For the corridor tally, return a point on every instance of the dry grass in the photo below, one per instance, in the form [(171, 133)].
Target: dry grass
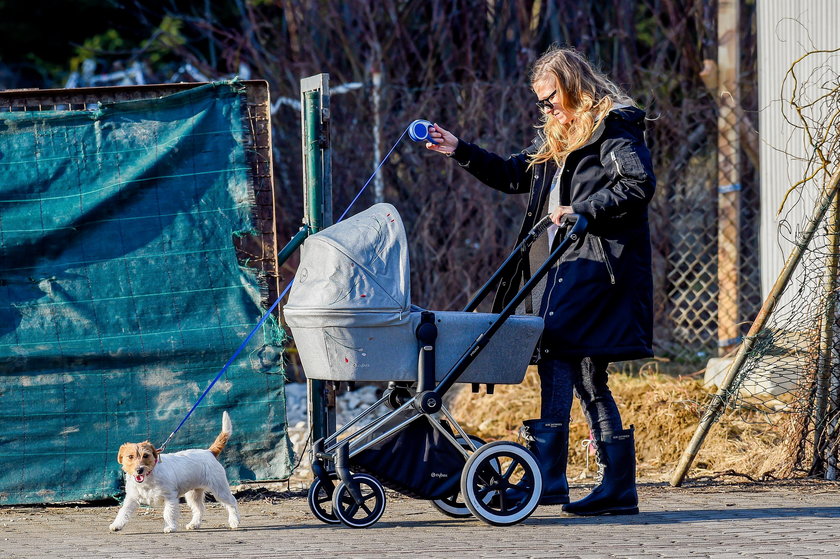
[(665, 410)]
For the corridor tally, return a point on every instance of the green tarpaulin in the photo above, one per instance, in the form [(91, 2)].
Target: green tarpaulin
[(121, 296)]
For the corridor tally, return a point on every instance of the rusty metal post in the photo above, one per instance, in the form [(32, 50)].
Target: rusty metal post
[(729, 177)]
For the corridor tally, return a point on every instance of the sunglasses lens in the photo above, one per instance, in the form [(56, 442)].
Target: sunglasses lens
[(546, 103)]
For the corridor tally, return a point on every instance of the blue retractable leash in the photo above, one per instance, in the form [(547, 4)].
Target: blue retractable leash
[(417, 131)]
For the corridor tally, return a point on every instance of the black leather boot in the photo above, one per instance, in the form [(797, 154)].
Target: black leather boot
[(616, 494), (549, 441)]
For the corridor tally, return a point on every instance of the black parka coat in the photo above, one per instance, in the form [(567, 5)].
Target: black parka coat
[(598, 300)]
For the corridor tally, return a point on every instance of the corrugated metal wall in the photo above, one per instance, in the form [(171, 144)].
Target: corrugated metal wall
[(787, 31)]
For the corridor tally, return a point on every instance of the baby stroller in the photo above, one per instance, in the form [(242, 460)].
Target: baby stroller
[(350, 313)]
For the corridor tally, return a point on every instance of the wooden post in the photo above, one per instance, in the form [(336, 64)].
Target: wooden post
[(827, 331), (729, 179), (722, 395)]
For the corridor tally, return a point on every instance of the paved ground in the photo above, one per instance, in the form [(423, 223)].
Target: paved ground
[(778, 519)]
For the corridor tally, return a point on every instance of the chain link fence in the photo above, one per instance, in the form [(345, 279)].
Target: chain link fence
[(785, 377), (710, 195)]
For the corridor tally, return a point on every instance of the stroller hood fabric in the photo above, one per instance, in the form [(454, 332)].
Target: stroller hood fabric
[(354, 273)]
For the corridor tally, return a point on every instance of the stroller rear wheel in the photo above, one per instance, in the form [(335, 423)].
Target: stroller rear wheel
[(359, 515), (452, 505), (501, 483), (320, 499)]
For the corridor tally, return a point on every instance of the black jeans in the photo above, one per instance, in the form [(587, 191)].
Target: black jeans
[(587, 378)]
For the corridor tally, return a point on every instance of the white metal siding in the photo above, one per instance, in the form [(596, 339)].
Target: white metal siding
[(787, 29)]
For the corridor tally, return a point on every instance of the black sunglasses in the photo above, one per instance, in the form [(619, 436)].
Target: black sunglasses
[(546, 103)]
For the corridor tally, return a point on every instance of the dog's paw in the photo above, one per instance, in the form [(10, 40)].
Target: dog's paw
[(234, 525), (115, 527), (170, 529), (193, 526)]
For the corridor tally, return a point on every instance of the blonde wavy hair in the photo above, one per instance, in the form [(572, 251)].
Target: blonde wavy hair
[(586, 93)]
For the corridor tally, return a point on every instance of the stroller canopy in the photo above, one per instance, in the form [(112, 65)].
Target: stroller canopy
[(354, 273)]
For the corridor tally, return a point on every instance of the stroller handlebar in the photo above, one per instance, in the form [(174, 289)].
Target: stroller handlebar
[(578, 223), (574, 224)]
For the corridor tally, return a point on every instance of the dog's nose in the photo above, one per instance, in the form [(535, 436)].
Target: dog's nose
[(141, 470)]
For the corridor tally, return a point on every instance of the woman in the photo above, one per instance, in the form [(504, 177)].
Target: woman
[(589, 158)]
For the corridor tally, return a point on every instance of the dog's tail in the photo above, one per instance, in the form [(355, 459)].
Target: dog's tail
[(220, 442)]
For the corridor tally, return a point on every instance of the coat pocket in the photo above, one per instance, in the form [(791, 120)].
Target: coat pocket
[(627, 163), (599, 244)]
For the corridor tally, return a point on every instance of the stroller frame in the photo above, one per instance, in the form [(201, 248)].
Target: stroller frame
[(484, 486)]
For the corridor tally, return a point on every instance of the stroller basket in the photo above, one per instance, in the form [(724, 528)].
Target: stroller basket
[(417, 461), (350, 312)]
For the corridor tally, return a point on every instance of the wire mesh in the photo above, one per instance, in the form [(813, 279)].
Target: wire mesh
[(790, 377)]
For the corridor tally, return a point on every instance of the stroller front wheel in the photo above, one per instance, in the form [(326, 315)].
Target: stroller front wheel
[(501, 483), (364, 513), (320, 499)]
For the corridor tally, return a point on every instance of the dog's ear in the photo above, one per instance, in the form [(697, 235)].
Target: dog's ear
[(120, 453), (147, 446)]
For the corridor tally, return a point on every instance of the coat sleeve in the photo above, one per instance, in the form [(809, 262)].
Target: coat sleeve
[(510, 175), (627, 163)]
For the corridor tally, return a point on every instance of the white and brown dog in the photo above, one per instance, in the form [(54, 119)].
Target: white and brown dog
[(152, 477)]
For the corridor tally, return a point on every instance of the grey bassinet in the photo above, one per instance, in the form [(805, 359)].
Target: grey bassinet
[(352, 320)]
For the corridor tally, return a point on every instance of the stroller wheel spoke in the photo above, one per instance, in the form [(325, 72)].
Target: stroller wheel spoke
[(523, 485), (510, 469), (323, 498), (502, 500), (351, 508), (481, 493)]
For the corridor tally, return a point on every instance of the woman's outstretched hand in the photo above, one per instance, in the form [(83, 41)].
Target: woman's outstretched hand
[(446, 141)]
